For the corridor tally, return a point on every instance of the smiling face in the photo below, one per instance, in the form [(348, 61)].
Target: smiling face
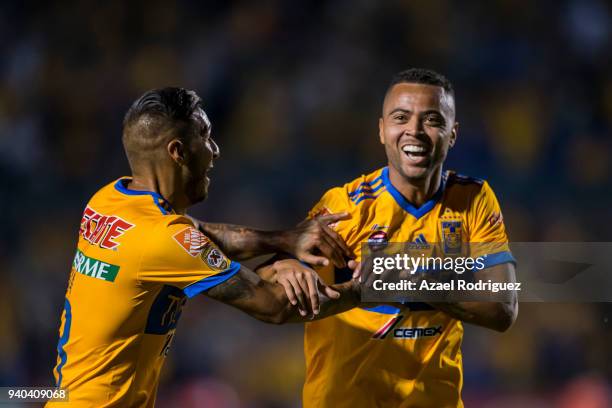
[(417, 128), (200, 153)]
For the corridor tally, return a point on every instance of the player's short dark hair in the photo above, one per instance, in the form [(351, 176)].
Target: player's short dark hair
[(422, 76), (170, 104)]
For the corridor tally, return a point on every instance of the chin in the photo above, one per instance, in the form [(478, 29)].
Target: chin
[(415, 173), (203, 196), (197, 196)]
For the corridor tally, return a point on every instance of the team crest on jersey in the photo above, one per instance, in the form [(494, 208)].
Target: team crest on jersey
[(451, 237), (214, 258), (192, 241)]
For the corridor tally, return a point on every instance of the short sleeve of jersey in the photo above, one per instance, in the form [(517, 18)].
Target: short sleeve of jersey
[(487, 230), (180, 255), (333, 201)]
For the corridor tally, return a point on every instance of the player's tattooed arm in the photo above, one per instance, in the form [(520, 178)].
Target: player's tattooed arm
[(238, 242), (268, 301), (239, 286), (496, 315), (310, 241)]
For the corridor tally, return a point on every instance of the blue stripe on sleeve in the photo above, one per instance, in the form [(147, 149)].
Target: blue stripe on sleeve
[(62, 342), (384, 309), (365, 197), (498, 258), (366, 185), (211, 281), (365, 190)]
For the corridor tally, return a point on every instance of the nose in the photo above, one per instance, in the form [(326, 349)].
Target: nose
[(414, 126), (215, 149)]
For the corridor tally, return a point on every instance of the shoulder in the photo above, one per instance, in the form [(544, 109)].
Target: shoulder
[(175, 236), (347, 197), (366, 187), (171, 225), (471, 193), (458, 178), (106, 192), (110, 206), (461, 184)]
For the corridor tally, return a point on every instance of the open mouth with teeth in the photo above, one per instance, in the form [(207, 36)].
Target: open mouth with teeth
[(416, 153)]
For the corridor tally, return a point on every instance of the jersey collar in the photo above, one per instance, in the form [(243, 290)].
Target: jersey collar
[(405, 204), (158, 200)]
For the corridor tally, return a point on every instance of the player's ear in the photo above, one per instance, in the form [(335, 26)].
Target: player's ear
[(381, 133), (176, 150), (453, 134)]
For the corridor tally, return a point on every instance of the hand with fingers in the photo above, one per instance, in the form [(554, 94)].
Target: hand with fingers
[(303, 286), (313, 241)]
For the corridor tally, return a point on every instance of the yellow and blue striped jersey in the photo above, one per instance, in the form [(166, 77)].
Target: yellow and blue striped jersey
[(136, 264), (406, 356)]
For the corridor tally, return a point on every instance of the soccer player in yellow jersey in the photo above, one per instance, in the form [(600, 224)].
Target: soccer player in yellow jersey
[(139, 258), (409, 355)]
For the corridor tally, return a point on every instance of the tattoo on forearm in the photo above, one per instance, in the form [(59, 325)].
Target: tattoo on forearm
[(236, 287), (231, 238), (459, 312), (218, 232)]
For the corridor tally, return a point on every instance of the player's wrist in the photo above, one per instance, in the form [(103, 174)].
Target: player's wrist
[(350, 290), (356, 291), (280, 242), (264, 242)]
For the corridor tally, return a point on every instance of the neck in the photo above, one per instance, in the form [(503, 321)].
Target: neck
[(418, 191), (148, 181)]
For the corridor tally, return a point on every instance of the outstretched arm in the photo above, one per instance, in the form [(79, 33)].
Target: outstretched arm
[(493, 315), (311, 241), (268, 301)]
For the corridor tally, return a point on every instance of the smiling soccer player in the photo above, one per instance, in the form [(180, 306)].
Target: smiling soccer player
[(407, 356), (139, 258)]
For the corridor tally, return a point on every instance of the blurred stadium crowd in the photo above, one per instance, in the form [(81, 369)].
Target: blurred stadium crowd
[(294, 91)]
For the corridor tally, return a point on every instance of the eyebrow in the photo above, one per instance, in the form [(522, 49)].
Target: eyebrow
[(427, 112), (399, 110)]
